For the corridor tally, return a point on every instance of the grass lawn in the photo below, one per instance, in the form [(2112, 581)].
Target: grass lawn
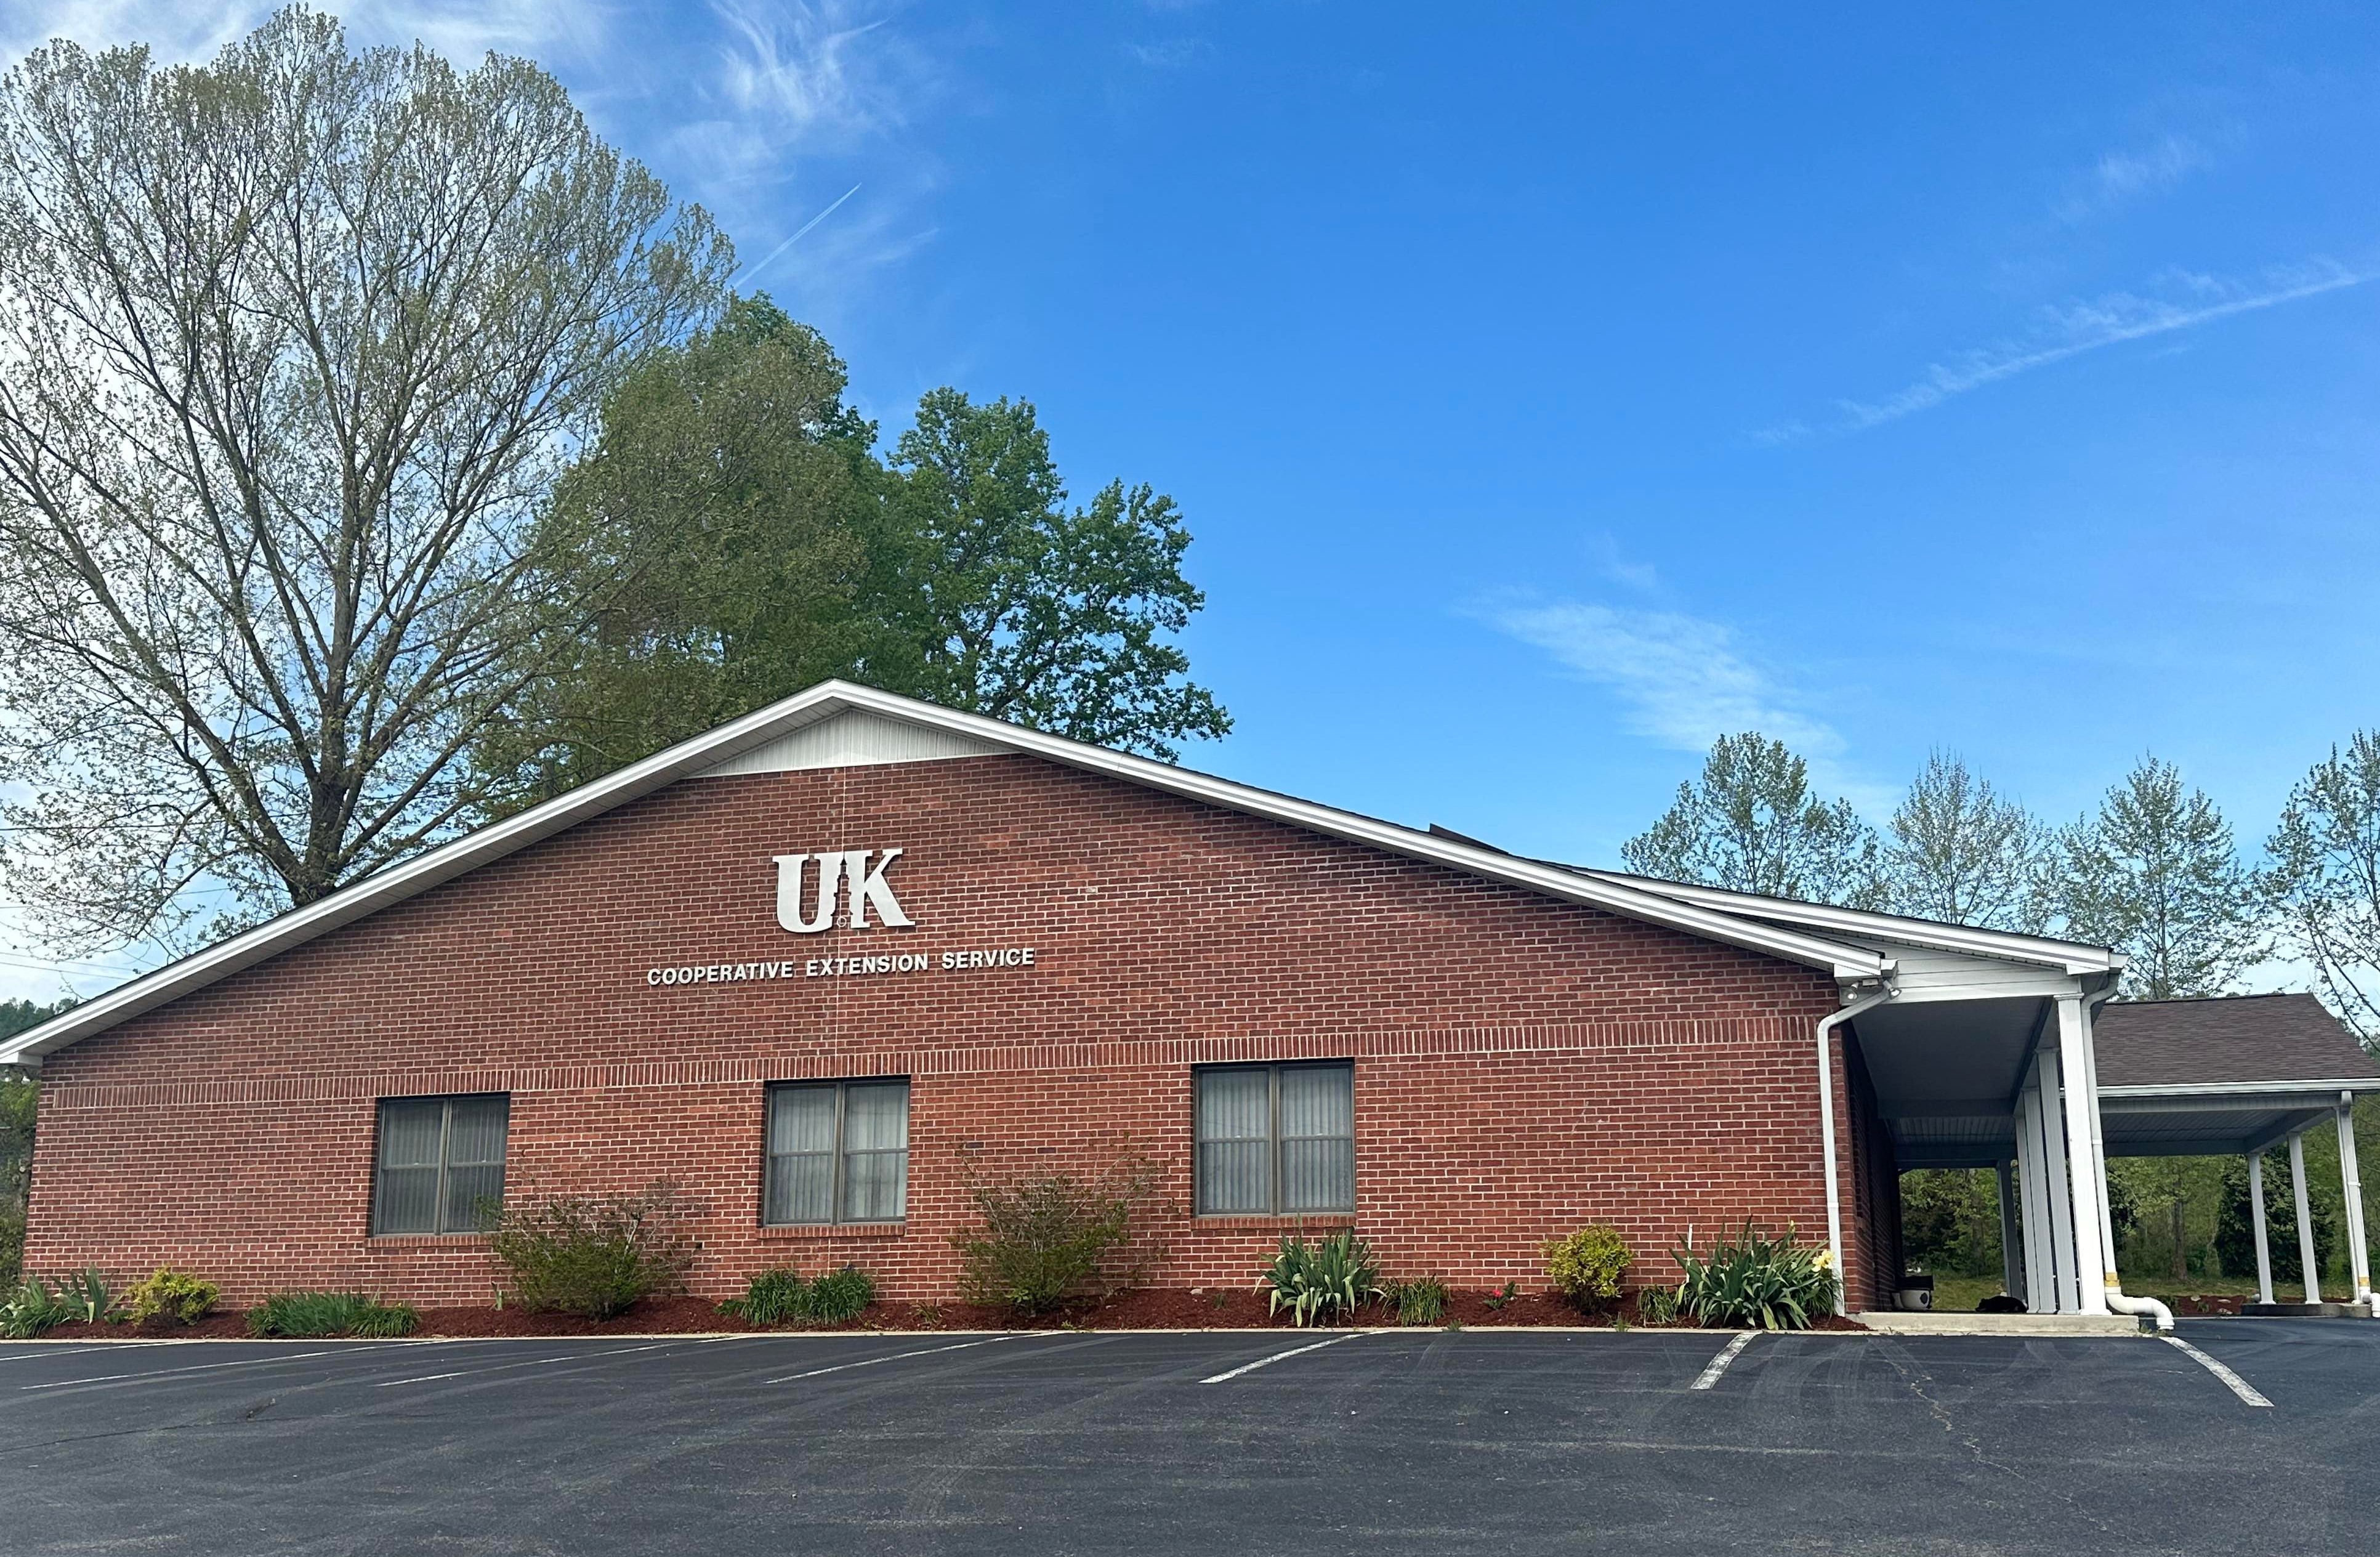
[(1959, 1294)]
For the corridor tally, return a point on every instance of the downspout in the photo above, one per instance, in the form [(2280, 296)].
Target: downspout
[(2117, 1300), (1826, 1026)]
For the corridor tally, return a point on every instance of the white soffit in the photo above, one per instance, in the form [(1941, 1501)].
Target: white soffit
[(854, 739)]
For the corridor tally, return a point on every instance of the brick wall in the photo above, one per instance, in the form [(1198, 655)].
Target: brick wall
[(1522, 1066)]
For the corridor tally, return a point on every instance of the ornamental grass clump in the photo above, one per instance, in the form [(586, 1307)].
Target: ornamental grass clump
[(1586, 1266), (167, 1297), (782, 1296), (311, 1314), (1750, 1281), (1046, 1242), (593, 1256), (31, 1308), (1320, 1281), (1419, 1301)]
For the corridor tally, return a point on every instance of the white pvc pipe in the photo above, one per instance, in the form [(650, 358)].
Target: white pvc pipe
[(2351, 1181), (2256, 1220), (1826, 1026), (2305, 1219)]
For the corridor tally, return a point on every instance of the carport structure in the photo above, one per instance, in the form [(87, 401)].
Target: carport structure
[(2240, 1074)]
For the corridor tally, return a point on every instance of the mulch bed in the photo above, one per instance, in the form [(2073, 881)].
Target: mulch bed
[(2191, 1303), (1142, 1308)]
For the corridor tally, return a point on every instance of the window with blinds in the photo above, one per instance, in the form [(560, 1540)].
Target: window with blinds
[(838, 1152), (1275, 1140), (440, 1157)]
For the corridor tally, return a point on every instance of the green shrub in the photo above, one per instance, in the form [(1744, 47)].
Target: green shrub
[(330, 1313), (1750, 1281), (781, 1296), (32, 1307), (597, 1256), (168, 1296), (1586, 1266), (1333, 1278), (1657, 1304), (841, 1295), (1421, 1301), (1048, 1241)]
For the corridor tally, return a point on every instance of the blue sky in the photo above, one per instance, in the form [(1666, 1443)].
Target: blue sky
[(1552, 392)]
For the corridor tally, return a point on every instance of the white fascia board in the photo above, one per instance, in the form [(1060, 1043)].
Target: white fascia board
[(2245, 1088), (1846, 963), (2068, 956)]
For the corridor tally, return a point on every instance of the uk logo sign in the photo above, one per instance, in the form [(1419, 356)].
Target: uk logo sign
[(847, 888)]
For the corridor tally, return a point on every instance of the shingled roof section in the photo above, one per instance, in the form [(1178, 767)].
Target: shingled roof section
[(2227, 1039)]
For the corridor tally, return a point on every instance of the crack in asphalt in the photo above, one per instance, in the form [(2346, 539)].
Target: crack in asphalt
[(1917, 1378)]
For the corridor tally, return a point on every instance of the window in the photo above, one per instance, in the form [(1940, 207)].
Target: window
[(439, 1158), (838, 1152), (1276, 1139)]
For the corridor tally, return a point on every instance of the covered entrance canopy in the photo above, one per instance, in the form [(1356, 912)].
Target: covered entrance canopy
[(2239, 1074)]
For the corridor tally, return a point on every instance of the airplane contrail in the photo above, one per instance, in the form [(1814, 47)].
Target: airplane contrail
[(806, 226)]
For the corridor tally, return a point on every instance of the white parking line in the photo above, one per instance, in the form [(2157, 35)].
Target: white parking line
[(896, 1356), (2238, 1385), (1279, 1357), (507, 1367), (77, 1351), (168, 1372), (1718, 1365)]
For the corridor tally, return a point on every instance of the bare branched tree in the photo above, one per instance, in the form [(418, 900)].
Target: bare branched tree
[(291, 344)]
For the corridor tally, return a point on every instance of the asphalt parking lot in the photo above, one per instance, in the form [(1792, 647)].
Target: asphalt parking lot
[(1511, 1441)]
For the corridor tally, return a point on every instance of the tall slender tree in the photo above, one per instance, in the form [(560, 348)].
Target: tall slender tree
[(2324, 880), (2155, 875), (1752, 823), (1957, 852), (291, 344)]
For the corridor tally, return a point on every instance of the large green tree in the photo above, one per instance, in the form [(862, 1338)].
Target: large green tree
[(1752, 823), (1959, 853), (292, 343), (2324, 880), (2155, 875), (748, 539)]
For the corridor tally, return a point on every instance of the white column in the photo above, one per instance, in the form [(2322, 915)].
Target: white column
[(2011, 1259), (2350, 1176), (2055, 1186), (2256, 1218), (2305, 1219), (2082, 1163), (2033, 1190)]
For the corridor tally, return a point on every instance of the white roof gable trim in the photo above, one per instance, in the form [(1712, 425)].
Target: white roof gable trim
[(768, 740), (2067, 957)]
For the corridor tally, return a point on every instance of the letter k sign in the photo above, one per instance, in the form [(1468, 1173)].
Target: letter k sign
[(835, 867)]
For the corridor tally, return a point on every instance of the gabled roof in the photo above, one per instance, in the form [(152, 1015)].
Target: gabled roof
[(720, 748), (2280, 1041)]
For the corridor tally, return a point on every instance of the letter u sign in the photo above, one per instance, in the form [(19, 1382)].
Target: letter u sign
[(836, 869)]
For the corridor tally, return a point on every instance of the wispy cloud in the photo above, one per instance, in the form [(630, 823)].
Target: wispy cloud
[(2121, 177), (2182, 301), (1171, 53), (1686, 681), (462, 30)]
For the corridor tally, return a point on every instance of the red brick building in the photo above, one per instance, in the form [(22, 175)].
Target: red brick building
[(821, 965)]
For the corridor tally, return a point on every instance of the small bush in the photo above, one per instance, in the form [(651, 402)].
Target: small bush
[(782, 1296), (1331, 1279), (168, 1296), (1753, 1281), (1586, 1267), (1657, 1304), (593, 1256), (330, 1313), (841, 1295), (1049, 1241), (31, 1308), (1422, 1301)]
